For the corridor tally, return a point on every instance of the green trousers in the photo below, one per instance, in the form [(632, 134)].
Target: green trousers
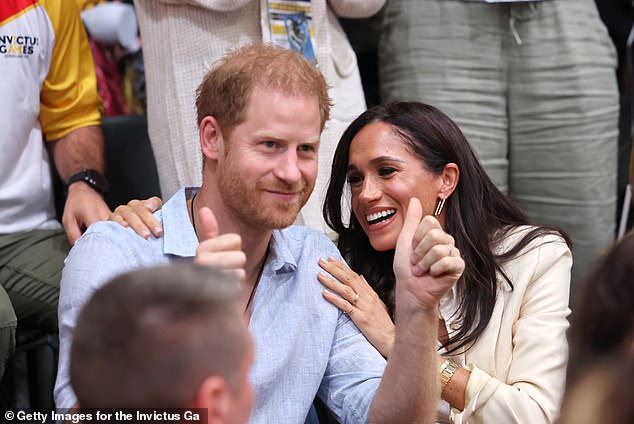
[(8, 323), (30, 272)]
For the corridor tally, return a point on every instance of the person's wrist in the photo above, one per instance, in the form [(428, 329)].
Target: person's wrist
[(93, 179), (387, 344), (446, 372), (80, 187)]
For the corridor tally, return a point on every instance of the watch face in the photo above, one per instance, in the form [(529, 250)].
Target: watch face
[(96, 180)]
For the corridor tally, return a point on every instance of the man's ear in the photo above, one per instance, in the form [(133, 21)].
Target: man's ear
[(211, 141), (214, 395), (450, 176)]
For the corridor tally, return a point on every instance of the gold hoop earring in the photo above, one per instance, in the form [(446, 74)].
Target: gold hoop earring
[(439, 206)]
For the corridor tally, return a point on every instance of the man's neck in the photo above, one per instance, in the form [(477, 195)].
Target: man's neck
[(255, 241), (256, 252)]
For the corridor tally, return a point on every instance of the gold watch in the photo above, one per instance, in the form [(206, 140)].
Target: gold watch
[(447, 370)]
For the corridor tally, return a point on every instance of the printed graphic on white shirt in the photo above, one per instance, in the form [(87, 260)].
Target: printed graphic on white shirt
[(290, 26)]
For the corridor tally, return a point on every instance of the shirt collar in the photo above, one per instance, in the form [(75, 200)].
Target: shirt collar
[(179, 237), (282, 259)]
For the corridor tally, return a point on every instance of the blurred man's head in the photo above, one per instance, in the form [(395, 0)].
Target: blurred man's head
[(261, 111), (166, 337)]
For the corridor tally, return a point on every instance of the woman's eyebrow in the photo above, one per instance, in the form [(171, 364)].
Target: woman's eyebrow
[(381, 159), (378, 160)]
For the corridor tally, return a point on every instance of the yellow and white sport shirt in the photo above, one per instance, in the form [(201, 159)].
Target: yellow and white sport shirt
[(47, 89)]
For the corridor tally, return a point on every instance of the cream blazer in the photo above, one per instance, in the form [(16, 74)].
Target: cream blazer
[(181, 41), (518, 364)]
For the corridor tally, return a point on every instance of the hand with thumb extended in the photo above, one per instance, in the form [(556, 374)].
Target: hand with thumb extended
[(404, 250), (218, 251), (423, 245), (208, 223)]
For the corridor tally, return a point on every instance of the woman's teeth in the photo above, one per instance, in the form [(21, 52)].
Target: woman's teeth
[(377, 217)]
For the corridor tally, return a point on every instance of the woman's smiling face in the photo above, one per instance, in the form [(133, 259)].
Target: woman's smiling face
[(384, 174)]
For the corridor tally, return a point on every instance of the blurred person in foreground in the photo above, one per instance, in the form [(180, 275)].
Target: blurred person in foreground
[(602, 323), (598, 396), (601, 338), (166, 337)]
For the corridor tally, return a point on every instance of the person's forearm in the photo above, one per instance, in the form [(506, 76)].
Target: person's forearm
[(82, 148), (409, 390)]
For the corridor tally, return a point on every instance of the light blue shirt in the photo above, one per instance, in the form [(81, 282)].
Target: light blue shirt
[(303, 344)]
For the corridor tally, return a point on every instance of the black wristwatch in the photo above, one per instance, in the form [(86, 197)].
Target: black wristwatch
[(91, 177)]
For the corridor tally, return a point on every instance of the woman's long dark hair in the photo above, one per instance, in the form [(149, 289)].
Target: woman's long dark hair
[(478, 215)]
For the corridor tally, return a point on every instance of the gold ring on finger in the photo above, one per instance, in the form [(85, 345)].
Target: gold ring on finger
[(350, 311), (354, 301)]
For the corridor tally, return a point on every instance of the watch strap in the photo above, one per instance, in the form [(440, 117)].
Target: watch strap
[(91, 177), (447, 369)]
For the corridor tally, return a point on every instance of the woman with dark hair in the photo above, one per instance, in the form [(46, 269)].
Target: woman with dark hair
[(502, 327)]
